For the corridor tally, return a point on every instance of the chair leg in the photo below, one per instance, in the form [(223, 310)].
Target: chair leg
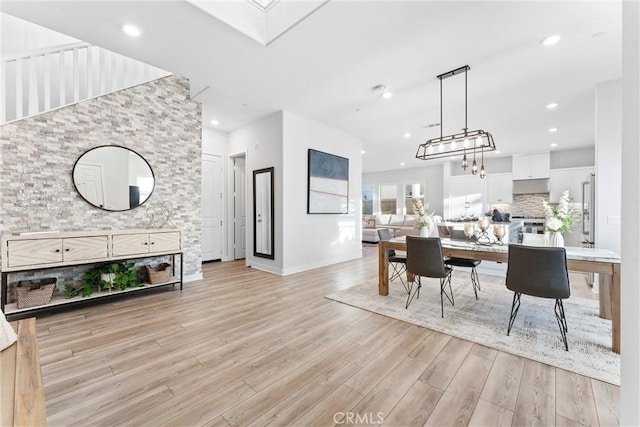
[(398, 271), (515, 305), (475, 281), (415, 294), (443, 292), (562, 322)]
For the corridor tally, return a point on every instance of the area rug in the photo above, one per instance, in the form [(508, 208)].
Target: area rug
[(535, 334)]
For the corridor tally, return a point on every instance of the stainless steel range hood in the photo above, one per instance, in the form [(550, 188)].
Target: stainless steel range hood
[(531, 186)]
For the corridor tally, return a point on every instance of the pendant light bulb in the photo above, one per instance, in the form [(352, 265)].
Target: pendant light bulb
[(474, 167), (482, 172), (465, 164)]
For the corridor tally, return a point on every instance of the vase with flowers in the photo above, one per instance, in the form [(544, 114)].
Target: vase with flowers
[(425, 218), (559, 219)]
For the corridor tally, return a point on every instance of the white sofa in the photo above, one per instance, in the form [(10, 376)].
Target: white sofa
[(400, 225)]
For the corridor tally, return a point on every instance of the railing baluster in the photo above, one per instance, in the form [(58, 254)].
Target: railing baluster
[(3, 92), (32, 100), (76, 76), (62, 80), (46, 75), (19, 111), (89, 71)]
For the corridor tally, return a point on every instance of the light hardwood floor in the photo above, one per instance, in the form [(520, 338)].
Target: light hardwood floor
[(243, 347)]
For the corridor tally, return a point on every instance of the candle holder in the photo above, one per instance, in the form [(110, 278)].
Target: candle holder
[(499, 231), (483, 238), (469, 231)]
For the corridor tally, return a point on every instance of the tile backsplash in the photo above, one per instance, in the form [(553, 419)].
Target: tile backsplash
[(529, 205)]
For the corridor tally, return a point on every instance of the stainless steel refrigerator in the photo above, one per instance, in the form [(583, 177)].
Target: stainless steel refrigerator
[(589, 215)]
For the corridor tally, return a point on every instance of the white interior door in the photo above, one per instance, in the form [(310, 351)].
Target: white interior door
[(88, 179), (239, 208), (211, 207)]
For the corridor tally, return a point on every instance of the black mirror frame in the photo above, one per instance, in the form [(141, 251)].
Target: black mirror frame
[(272, 224), (115, 146)]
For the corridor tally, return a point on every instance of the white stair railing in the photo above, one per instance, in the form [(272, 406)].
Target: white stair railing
[(46, 79)]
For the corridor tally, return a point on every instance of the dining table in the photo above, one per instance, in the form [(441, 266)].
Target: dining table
[(587, 260)]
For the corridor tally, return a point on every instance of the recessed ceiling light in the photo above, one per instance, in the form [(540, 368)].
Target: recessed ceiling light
[(453, 157), (551, 105), (553, 129), (407, 135), (497, 151), (215, 122), (387, 94), (551, 40), (598, 34), (363, 152), (402, 164), (131, 30), (553, 144)]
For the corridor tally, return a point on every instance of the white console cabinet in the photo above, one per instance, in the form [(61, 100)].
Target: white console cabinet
[(40, 251)]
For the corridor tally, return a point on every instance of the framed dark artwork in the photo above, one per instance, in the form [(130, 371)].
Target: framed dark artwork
[(328, 183)]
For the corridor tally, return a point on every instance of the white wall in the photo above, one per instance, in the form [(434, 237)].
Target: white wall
[(630, 292), (607, 168), (214, 142), (578, 157), (430, 176), (261, 141), (312, 241)]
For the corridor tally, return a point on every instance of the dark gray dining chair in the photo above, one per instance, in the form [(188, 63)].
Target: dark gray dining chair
[(467, 263), (424, 259), (397, 262), (539, 272)]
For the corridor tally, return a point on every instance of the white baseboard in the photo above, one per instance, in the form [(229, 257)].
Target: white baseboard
[(191, 277), (324, 263)]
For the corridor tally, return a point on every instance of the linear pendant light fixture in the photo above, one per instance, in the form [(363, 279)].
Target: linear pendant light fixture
[(460, 143)]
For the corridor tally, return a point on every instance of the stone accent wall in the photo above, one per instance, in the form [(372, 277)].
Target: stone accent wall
[(155, 119), (529, 205)]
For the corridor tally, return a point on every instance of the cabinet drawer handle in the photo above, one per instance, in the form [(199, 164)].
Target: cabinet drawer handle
[(146, 243), (153, 243), (57, 250), (67, 250)]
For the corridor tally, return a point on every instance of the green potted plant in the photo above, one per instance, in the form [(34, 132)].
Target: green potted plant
[(118, 275)]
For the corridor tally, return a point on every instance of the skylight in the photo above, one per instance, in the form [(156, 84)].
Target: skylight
[(263, 5)]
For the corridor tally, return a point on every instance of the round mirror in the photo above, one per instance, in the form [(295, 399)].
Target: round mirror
[(113, 178)]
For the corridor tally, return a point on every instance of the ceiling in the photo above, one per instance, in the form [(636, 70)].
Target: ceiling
[(324, 67)]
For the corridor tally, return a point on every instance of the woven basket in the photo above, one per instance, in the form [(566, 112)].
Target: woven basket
[(31, 293), (159, 274)]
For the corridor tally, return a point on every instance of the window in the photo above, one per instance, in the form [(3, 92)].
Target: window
[(412, 191), (367, 200), (388, 199)]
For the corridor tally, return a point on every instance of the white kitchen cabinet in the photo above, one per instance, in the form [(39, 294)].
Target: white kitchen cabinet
[(499, 188), (467, 196), (568, 179), (531, 166)]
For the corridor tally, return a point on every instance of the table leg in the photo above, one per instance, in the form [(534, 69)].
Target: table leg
[(383, 269), (615, 321)]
